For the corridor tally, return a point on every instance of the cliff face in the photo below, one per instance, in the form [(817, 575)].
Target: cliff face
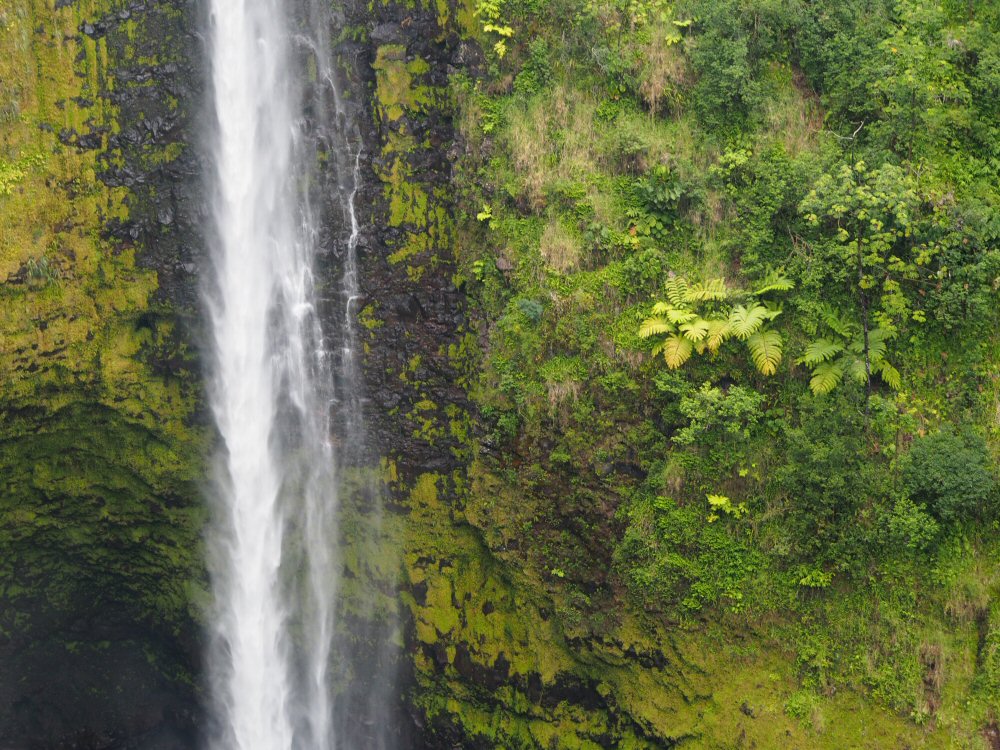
[(101, 448), (504, 546)]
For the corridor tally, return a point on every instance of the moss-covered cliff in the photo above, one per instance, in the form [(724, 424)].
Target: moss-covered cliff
[(100, 451)]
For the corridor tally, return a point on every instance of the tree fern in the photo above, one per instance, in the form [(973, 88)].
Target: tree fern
[(890, 375), (676, 351), (719, 329), (677, 290), (746, 321), (765, 350), (696, 330), (655, 327), (680, 315), (713, 289), (825, 377), (820, 350), (838, 323), (775, 281)]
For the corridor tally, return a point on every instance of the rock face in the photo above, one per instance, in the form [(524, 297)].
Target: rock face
[(101, 445)]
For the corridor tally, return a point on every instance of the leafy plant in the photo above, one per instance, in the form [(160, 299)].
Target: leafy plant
[(842, 353), (951, 474), (700, 317)]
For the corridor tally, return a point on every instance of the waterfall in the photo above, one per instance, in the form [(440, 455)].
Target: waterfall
[(283, 172)]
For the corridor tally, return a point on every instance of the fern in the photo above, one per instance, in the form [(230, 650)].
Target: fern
[(713, 289), (820, 350), (890, 375), (696, 330), (826, 376), (677, 290), (837, 323), (745, 322), (679, 315), (719, 329), (676, 351), (775, 281), (855, 366), (765, 349), (655, 327)]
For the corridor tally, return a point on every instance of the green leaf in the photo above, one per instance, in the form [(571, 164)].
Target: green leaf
[(819, 351), (718, 331), (676, 351), (890, 375), (713, 289), (826, 377), (679, 315), (677, 290), (765, 349), (696, 330), (655, 327), (775, 281), (747, 321)]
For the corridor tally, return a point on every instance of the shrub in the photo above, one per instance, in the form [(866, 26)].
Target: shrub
[(950, 474)]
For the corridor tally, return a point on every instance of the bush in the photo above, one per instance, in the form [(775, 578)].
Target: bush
[(951, 475)]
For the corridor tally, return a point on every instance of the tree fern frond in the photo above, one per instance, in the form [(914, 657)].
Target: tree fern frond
[(765, 349), (676, 351), (696, 330), (826, 377), (775, 281), (713, 289), (661, 308), (890, 375), (838, 323), (876, 347), (745, 322), (677, 290), (719, 329), (680, 315), (774, 309), (856, 369), (657, 348), (655, 327), (819, 351)]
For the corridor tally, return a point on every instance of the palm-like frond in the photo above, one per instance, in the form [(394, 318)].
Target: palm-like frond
[(719, 330), (775, 281), (696, 330), (655, 327), (677, 290), (890, 375), (661, 308), (876, 344), (820, 350), (680, 315), (745, 322), (713, 289), (765, 349), (826, 377), (676, 351), (856, 368), (838, 323)]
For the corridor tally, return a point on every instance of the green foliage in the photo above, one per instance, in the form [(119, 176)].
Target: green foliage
[(842, 353), (700, 317), (951, 474)]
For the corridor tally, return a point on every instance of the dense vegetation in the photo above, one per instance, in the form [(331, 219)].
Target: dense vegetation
[(736, 266)]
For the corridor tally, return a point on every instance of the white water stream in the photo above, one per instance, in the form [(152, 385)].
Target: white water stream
[(273, 553)]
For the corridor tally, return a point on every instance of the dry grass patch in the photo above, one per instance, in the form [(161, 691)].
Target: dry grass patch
[(560, 248), (551, 139)]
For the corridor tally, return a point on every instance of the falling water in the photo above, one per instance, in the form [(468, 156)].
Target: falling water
[(285, 165)]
